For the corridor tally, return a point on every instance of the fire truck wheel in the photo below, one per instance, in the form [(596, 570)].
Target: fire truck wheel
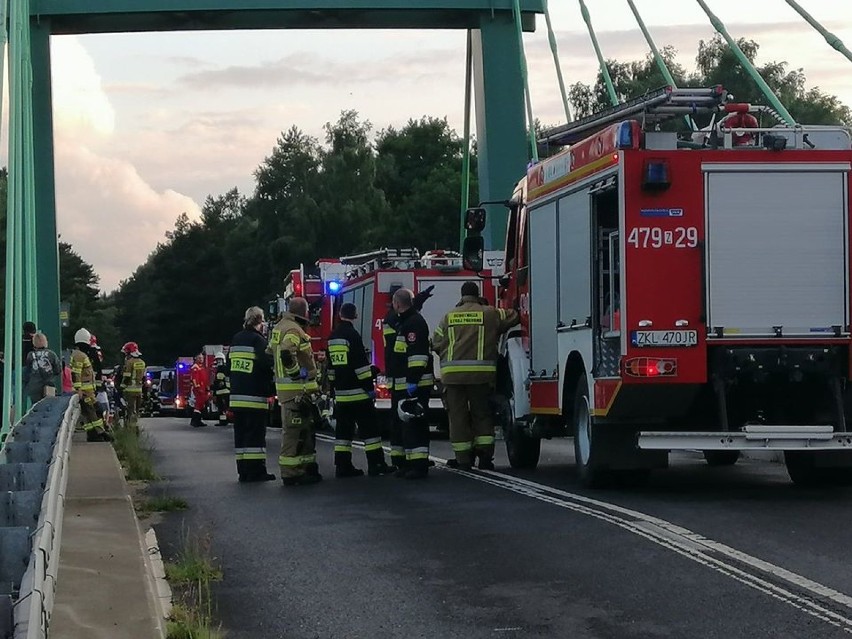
[(721, 457), (522, 450), (804, 472), (590, 471)]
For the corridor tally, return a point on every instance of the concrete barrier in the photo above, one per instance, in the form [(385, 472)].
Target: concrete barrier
[(33, 476)]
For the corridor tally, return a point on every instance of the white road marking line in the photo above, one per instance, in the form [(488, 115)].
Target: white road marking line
[(680, 540)]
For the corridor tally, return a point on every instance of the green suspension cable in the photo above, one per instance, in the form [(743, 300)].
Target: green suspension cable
[(10, 256), (610, 89), (832, 39), (525, 76), (658, 58), (465, 181), (551, 36), (748, 66), (16, 89)]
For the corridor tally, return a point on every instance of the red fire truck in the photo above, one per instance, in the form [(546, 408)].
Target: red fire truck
[(369, 280), (680, 294)]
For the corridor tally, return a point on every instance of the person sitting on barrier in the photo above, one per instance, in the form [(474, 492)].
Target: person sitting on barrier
[(41, 370)]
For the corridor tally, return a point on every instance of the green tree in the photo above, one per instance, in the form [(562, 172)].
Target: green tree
[(715, 64), (419, 171)]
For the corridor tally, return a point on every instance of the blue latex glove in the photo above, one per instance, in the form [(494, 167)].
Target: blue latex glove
[(303, 373), (371, 394), (412, 388)]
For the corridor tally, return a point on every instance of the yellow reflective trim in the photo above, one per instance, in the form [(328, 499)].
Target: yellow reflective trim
[(399, 346), (460, 447), (483, 440), (480, 343), (463, 318), (339, 358), (248, 404), (485, 368), (274, 339)]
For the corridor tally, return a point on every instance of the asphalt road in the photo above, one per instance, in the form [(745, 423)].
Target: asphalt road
[(698, 552)]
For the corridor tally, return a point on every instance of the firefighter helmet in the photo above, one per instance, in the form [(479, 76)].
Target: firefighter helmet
[(409, 409), (131, 348), (82, 336), (220, 357)]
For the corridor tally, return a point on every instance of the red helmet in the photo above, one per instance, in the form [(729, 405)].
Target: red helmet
[(130, 348)]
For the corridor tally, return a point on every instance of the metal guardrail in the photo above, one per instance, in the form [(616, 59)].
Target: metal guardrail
[(32, 469)]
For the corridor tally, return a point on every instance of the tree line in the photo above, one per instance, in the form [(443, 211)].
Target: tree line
[(352, 191)]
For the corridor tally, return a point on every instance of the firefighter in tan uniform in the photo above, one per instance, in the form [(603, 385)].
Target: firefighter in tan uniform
[(132, 380), (466, 341), (296, 386), (83, 378)]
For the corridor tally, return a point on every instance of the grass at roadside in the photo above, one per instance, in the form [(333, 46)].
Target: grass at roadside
[(162, 504), (191, 576), (134, 452)]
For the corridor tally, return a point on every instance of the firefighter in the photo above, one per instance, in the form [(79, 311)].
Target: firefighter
[(251, 387), (413, 379), (351, 377), (296, 385), (200, 380), (389, 326), (466, 341), (83, 379), (132, 380), (222, 388)]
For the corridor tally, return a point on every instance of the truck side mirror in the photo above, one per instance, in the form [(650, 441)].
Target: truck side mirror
[(472, 252), (474, 219)]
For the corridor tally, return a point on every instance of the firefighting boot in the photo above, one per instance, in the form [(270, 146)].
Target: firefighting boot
[(342, 472), (418, 469), (312, 470), (486, 464), (401, 468)]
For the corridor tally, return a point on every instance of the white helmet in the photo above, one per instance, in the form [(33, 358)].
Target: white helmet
[(409, 409), (220, 355), (82, 336)]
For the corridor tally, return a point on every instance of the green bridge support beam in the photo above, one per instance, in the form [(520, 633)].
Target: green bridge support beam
[(47, 251), (501, 138)]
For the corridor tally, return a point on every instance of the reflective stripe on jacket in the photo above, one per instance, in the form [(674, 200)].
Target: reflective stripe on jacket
[(133, 375), (289, 336), (250, 371), (466, 341), (82, 374), (349, 370)]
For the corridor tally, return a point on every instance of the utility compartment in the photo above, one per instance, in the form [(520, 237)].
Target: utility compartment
[(777, 249)]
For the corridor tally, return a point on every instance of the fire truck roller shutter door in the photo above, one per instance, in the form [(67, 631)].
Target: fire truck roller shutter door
[(788, 273), (575, 261), (544, 283)]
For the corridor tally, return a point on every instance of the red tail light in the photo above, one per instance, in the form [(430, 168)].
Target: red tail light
[(383, 389), (650, 367)]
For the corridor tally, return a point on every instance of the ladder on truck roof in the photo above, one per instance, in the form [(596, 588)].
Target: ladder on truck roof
[(362, 263), (653, 108)]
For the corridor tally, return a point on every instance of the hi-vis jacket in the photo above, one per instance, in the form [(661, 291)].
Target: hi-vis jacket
[(133, 375), (349, 371), (410, 360), (466, 341), (82, 374), (221, 381), (289, 336), (251, 371)]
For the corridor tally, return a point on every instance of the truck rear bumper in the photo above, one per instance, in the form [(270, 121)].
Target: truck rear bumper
[(435, 404), (753, 437)]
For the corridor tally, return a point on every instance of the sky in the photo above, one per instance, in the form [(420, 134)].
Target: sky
[(147, 126)]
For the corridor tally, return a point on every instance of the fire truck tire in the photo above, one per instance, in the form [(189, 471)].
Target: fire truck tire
[(721, 457), (587, 449), (804, 471), (522, 450)]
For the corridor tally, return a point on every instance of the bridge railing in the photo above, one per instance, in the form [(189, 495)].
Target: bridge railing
[(33, 479)]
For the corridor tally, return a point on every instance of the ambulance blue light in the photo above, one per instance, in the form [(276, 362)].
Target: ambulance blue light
[(333, 287)]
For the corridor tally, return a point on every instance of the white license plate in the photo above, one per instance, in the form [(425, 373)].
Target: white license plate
[(664, 338)]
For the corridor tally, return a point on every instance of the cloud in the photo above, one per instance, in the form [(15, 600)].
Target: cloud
[(105, 208), (109, 213)]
